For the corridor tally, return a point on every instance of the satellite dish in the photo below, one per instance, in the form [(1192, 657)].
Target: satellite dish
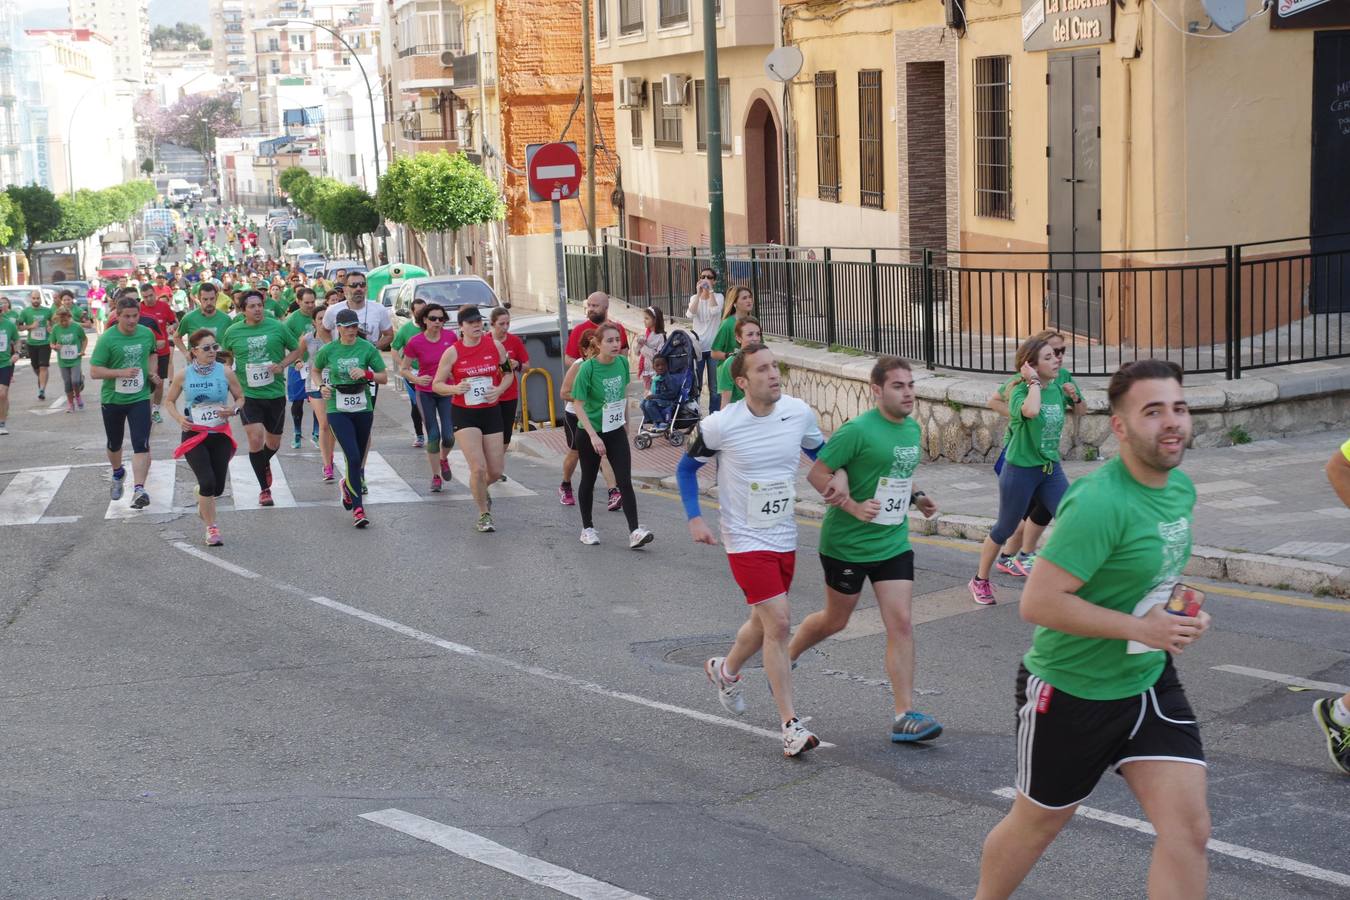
[(784, 63), (1227, 15)]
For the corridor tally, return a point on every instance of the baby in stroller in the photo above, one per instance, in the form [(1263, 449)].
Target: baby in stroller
[(670, 409), (665, 396)]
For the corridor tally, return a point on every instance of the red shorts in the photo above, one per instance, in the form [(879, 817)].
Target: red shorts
[(762, 574)]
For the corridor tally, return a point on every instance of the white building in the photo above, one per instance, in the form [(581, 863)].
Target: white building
[(126, 24), (81, 117), (349, 138), (175, 74)]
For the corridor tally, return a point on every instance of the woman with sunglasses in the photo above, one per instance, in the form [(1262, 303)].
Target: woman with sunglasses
[(1031, 469), (311, 342), (1019, 553), (426, 349), (471, 373), (349, 366), (213, 396)]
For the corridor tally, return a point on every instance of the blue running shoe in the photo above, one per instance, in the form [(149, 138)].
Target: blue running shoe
[(914, 726)]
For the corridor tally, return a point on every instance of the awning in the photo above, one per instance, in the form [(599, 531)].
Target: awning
[(309, 115), (273, 146)]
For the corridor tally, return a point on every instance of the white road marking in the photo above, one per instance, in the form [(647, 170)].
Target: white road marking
[(28, 495), (386, 485), (1334, 512), (54, 407), (1270, 860), (1215, 487), (1242, 503), (459, 468), (1308, 548), (490, 853), (159, 485), (465, 650), (1280, 677), (244, 483)]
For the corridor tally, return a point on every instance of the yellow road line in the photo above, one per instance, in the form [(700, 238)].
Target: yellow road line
[(974, 547)]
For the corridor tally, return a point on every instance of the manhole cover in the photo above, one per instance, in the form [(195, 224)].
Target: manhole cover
[(695, 655)]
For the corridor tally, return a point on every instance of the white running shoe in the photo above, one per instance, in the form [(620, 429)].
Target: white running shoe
[(590, 536), (640, 538), (728, 692), (796, 739)]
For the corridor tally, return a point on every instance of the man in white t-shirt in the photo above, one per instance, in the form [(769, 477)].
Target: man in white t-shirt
[(376, 323), (758, 442)]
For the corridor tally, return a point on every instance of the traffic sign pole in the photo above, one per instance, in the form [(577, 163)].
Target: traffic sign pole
[(562, 276)]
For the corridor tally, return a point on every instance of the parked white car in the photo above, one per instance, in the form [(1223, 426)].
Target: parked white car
[(146, 253), (295, 247)]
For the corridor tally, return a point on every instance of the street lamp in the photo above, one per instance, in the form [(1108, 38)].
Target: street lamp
[(70, 128), (370, 95)]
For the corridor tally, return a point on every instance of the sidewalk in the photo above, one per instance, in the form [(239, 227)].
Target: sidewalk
[(1265, 514)]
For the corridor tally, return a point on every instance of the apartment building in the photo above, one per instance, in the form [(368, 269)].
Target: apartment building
[(126, 25)]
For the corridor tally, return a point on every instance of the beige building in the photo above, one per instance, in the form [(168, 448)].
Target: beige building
[(1083, 134), (656, 49), (126, 23)]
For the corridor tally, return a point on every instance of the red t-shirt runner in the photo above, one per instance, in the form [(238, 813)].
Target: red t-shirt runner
[(163, 316), (515, 349), (480, 367), (574, 337)]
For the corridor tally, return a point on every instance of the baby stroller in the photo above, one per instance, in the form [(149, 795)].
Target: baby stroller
[(672, 410)]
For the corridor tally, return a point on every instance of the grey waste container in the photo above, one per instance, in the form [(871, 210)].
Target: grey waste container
[(540, 335)]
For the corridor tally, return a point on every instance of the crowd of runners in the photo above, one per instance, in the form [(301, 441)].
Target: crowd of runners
[(1098, 690)]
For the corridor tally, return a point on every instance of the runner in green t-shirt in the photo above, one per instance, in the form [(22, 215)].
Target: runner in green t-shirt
[(206, 315), (36, 320), (740, 303), (9, 343), (1031, 470), (865, 536), (68, 341), (262, 348), (300, 323), (747, 331), (1098, 690), (348, 366), (123, 359)]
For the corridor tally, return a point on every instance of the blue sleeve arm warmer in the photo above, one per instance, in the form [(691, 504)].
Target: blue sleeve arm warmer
[(686, 476), (813, 452)]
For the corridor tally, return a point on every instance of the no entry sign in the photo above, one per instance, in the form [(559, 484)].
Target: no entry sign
[(552, 167)]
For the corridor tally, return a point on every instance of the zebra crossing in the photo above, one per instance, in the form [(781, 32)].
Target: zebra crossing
[(46, 495)]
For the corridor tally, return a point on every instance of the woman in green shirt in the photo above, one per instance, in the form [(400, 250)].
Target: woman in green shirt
[(1031, 470), (740, 303), (68, 341)]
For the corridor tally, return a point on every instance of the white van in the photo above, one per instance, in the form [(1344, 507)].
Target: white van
[(178, 191)]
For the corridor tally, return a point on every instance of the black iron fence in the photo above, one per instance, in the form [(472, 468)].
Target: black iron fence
[(1210, 309)]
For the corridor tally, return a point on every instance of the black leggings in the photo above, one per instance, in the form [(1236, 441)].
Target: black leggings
[(620, 460), (352, 430), (508, 411), (210, 462), (1039, 514)]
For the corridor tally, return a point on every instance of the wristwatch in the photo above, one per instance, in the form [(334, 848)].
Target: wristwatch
[(914, 497)]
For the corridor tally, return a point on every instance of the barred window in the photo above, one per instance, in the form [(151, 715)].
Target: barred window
[(667, 122), (827, 137), (993, 137), (635, 118), (701, 113), (871, 165)]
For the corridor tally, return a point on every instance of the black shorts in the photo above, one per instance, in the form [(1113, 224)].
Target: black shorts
[(572, 428), (848, 578), (6, 375), (1066, 743), (269, 413), (40, 357), (162, 363), (116, 419), (487, 419)]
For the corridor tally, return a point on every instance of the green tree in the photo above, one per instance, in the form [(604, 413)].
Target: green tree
[(11, 220), (82, 213), (291, 178), (347, 210), (148, 166), (391, 196), (438, 192), (41, 215)]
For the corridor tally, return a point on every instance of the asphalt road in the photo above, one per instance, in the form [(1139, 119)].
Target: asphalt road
[(173, 728)]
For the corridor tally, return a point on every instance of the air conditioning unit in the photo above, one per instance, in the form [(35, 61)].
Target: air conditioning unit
[(447, 58), (673, 90), (632, 93)]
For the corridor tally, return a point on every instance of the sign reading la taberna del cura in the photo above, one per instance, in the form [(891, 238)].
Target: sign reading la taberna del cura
[(1059, 24), (1310, 14)]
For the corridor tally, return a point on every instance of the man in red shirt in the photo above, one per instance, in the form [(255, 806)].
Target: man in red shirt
[(161, 290), (597, 314), (158, 316)]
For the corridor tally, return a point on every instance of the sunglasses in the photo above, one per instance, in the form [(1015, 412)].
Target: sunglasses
[(435, 319), (209, 348), (359, 284)]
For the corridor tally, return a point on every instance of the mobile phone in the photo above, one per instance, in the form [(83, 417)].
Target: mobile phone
[(1185, 601)]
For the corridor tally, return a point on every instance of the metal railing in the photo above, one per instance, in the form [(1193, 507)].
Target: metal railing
[(1219, 309), (419, 133), (430, 49)]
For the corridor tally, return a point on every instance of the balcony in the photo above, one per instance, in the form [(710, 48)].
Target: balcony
[(641, 30), (430, 49), (470, 67), (426, 139)]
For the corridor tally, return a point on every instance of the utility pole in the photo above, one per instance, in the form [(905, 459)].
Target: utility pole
[(712, 97), (588, 96)]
